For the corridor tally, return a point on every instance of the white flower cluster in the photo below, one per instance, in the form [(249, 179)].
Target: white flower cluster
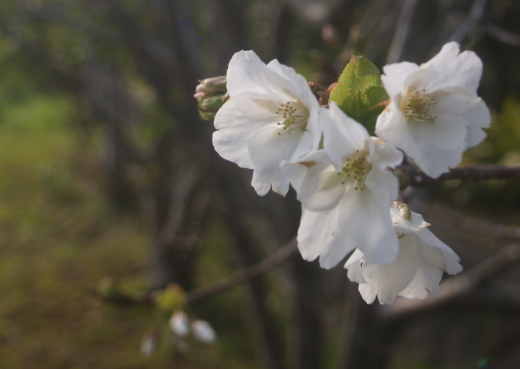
[(273, 124)]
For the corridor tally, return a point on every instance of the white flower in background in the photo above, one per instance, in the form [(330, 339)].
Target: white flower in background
[(418, 268), (346, 192), (203, 332), (434, 113), (271, 115), (179, 323)]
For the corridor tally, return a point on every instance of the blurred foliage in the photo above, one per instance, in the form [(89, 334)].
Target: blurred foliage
[(58, 238)]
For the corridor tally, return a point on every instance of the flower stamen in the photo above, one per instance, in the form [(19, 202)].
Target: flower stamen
[(295, 116), (416, 106), (355, 168)]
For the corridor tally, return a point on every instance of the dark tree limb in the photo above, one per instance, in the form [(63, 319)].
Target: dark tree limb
[(414, 177), (241, 275)]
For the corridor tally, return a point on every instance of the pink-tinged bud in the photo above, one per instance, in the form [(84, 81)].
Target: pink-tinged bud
[(179, 323), (203, 332), (211, 94), (212, 86)]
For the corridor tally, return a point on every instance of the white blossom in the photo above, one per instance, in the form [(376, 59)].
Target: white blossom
[(418, 268), (203, 332), (434, 113), (346, 191), (179, 323), (271, 115)]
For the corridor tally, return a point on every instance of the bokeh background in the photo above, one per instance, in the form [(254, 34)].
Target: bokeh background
[(110, 189)]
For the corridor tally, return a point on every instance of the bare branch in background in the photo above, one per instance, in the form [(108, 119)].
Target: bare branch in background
[(502, 35), (468, 25), (401, 31), (416, 178), (240, 276), (176, 209), (470, 223)]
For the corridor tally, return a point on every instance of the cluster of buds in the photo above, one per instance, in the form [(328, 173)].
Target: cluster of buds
[(171, 302), (211, 94)]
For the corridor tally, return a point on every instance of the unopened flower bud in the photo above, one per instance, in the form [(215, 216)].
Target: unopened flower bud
[(211, 86), (179, 324), (203, 332), (404, 209), (149, 343), (211, 94)]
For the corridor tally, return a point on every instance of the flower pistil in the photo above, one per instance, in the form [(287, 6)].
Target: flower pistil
[(295, 116), (356, 167), (416, 106)]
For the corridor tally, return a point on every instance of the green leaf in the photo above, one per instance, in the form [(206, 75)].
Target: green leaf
[(359, 92)]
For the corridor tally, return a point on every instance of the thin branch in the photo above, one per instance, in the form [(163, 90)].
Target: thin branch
[(414, 177), (240, 276), (475, 15), (502, 35), (177, 207), (470, 223), (401, 31)]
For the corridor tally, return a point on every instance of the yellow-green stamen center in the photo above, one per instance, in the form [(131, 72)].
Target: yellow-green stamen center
[(355, 168), (295, 116), (416, 106)]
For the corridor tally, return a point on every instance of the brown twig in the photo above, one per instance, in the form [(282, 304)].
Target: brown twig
[(502, 35), (411, 175), (464, 221), (239, 276)]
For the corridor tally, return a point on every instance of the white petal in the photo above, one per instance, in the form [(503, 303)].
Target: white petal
[(246, 72), (395, 75), (354, 267), (368, 292), (385, 154), (365, 216), (392, 278), (238, 119), (342, 135), (380, 178), (448, 52), (321, 235), (268, 149), (434, 146), (478, 117), (450, 259), (384, 182), (464, 69), (429, 273), (301, 89), (315, 180)]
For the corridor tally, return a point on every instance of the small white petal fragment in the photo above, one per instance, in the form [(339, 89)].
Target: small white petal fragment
[(203, 331), (434, 113), (418, 268), (179, 323)]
